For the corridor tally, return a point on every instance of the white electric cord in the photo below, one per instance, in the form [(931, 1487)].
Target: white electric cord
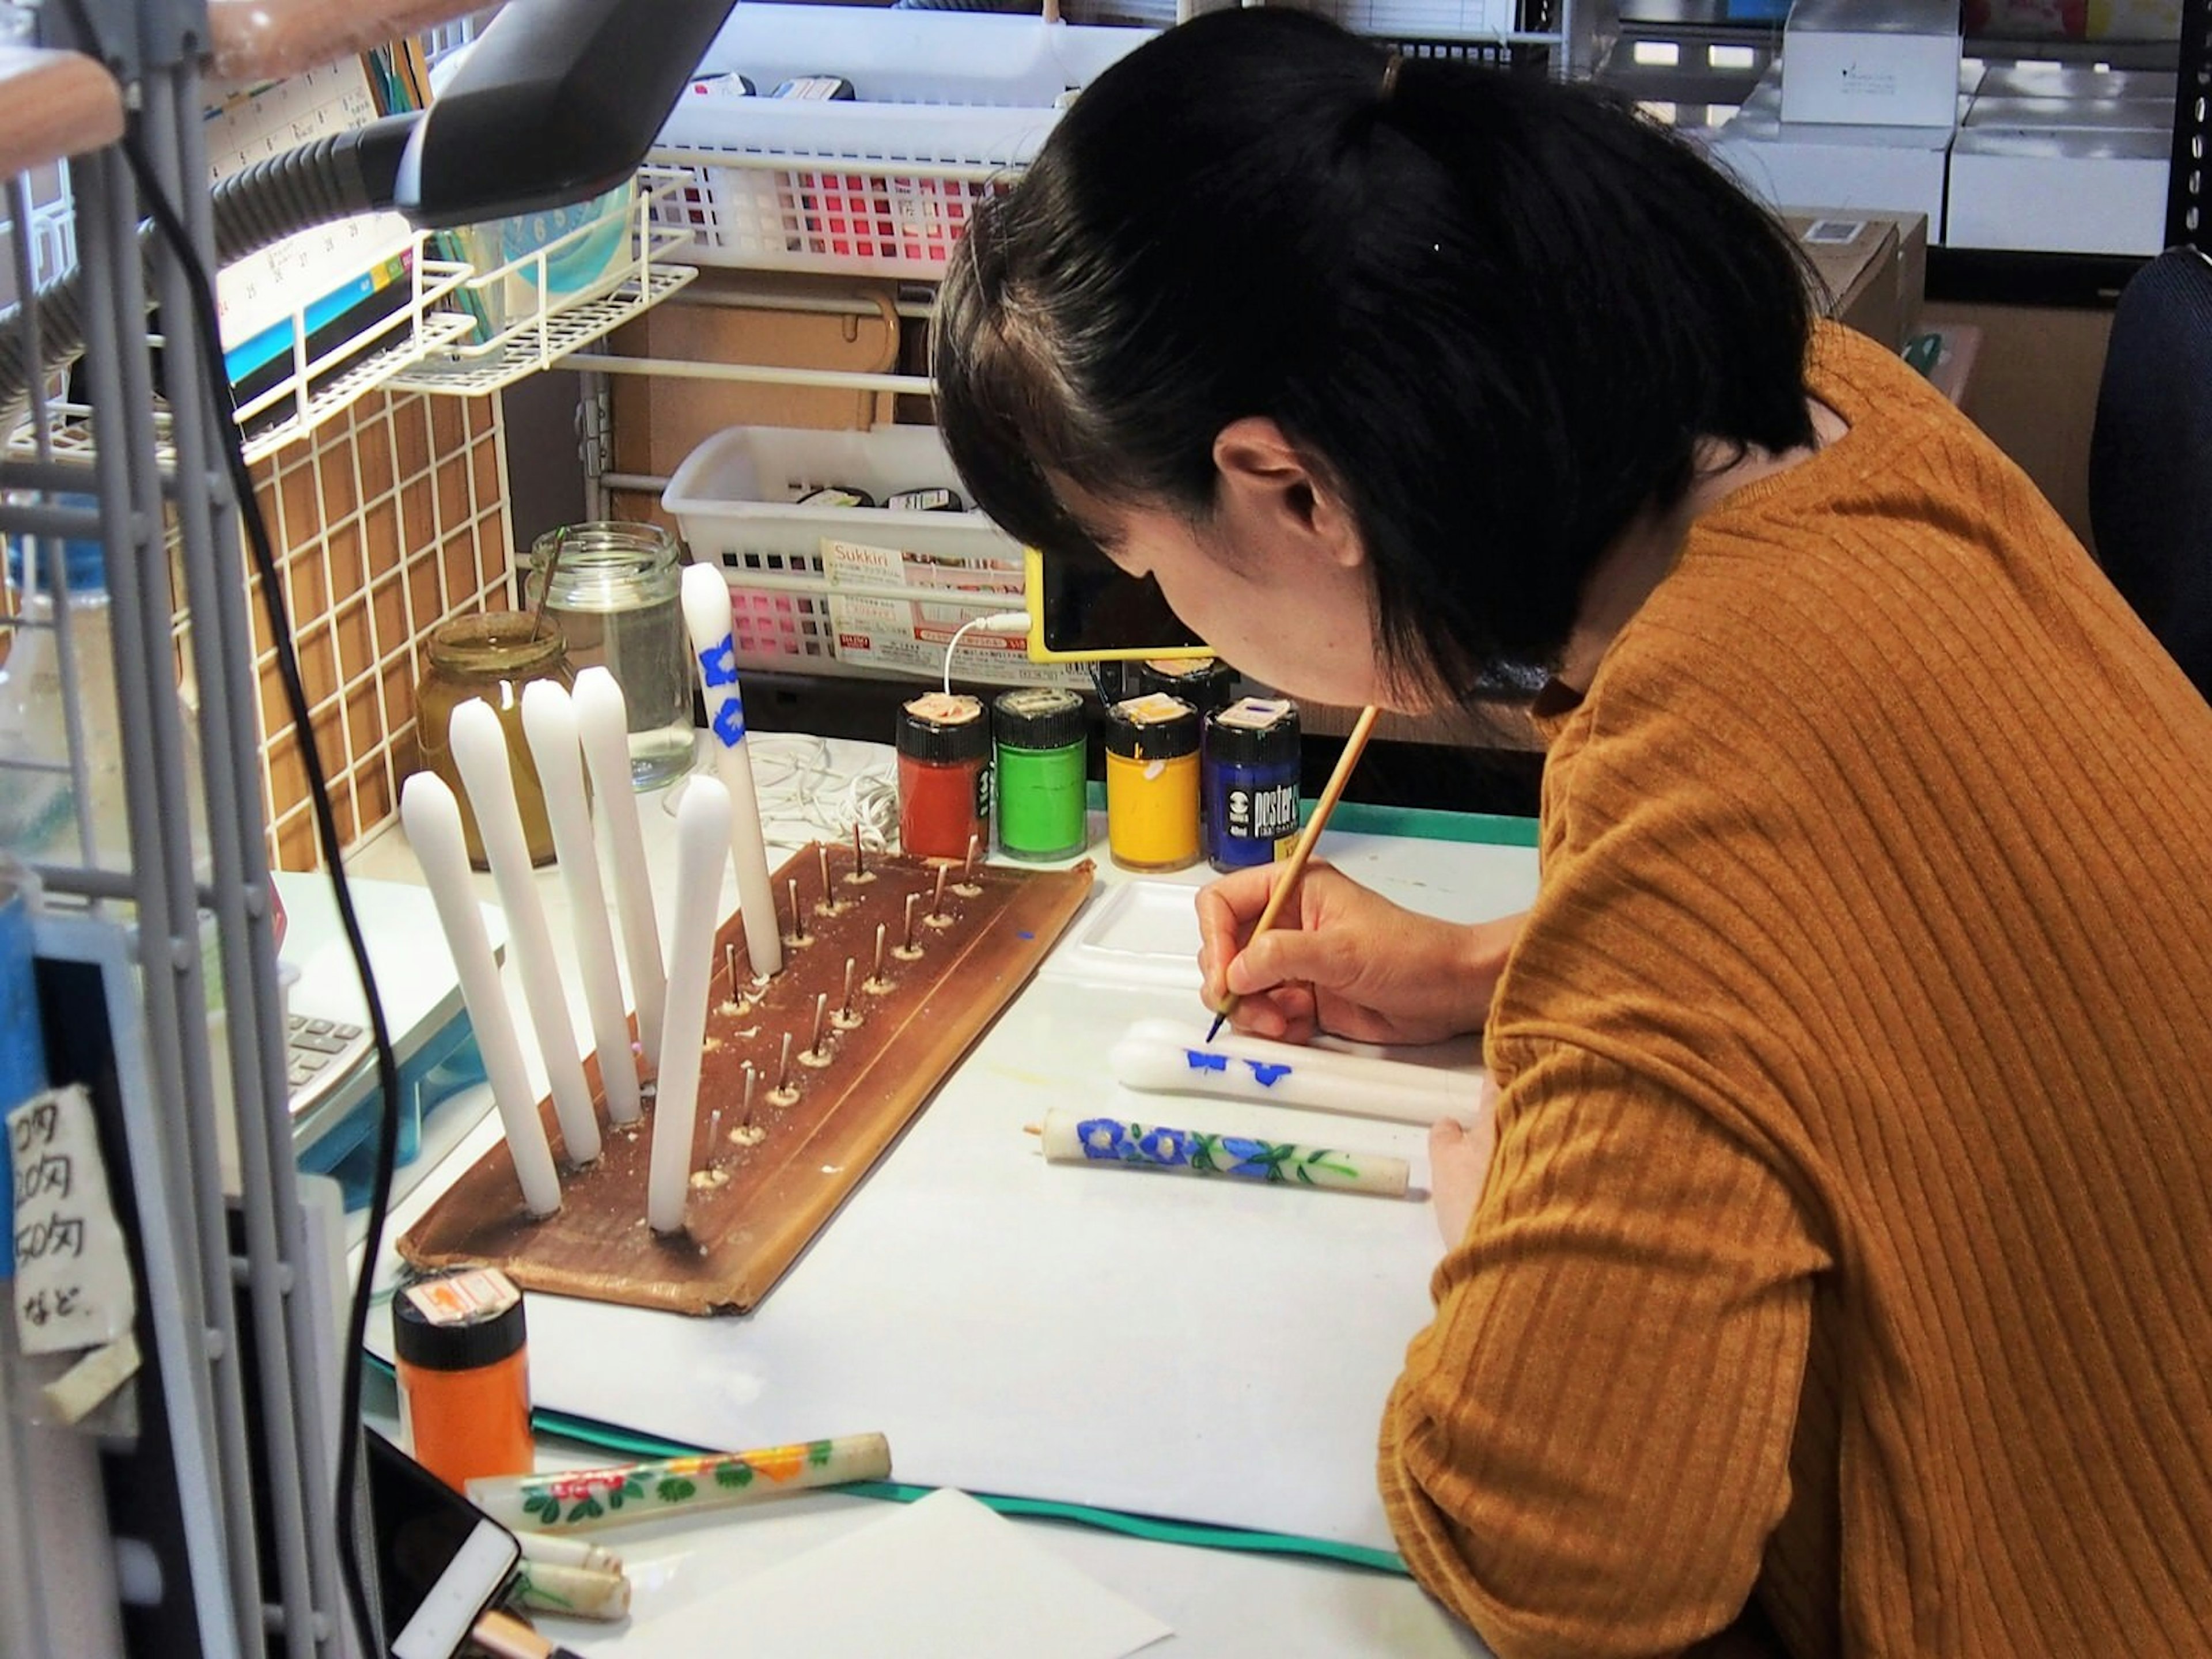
[(995, 622), (800, 785), (805, 796)]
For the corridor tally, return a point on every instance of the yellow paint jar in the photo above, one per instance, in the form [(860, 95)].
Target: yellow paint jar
[(1152, 783)]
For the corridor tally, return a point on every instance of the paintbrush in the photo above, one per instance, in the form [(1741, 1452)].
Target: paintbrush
[(1295, 866)]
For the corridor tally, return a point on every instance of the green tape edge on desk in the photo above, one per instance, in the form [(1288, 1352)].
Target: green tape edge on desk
[(1474, 828), (613, 1438), (1428, 823)]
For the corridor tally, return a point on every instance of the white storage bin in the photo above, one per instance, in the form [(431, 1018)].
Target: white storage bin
[(917, 57), (853, 190), (948, 102), (1419, 20), (840, 589)]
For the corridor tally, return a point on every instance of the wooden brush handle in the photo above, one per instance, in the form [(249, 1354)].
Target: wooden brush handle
[(1295, 866)]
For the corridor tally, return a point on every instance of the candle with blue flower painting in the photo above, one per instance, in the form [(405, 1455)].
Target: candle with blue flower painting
[(1074, 1137)]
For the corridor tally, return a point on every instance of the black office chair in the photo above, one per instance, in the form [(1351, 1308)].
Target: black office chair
[(2150, 456)]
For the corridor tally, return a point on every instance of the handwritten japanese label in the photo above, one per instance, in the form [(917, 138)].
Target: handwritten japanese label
[(73, 1285)]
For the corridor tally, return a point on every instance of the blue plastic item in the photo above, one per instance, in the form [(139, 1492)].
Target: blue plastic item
[(442, 1067)]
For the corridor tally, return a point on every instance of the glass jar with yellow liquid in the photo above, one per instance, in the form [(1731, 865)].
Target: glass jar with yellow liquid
[(491, 656)]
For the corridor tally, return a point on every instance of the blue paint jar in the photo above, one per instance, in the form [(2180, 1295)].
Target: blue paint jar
[(1250, 778)]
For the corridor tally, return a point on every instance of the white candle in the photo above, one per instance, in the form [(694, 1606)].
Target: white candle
[(551, 725), (702, 840), (602, 722), (479, 744), (1160, 1054), (707, 616), (432, 821)]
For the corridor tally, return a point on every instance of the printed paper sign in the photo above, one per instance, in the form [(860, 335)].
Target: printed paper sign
[(73, 1285)]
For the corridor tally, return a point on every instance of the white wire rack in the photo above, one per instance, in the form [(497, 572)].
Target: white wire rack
[(542, 322), (317, 386), (427, 343)]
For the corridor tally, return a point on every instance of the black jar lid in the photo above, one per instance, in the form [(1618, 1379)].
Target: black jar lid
[(1037, 717), (944, 727), (1155, 727), (1253, 732), (459, 1321), (1205, 682)]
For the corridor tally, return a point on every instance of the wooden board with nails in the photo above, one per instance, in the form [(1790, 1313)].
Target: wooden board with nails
[(761, 1191)]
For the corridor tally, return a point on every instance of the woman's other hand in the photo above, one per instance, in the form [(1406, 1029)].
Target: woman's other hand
[(1342, 958), (1459, 1163)]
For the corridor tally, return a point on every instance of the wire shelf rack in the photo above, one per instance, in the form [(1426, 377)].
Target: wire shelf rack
[(548, 323), (318, 385), (427, 344)]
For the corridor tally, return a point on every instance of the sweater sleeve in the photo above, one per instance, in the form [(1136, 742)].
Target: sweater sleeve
[(1589, 1446)]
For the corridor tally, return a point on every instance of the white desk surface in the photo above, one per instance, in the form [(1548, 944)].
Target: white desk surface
[(1204, 1351)]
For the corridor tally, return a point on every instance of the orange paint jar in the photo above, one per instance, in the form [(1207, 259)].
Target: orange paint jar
[(462, 1356)]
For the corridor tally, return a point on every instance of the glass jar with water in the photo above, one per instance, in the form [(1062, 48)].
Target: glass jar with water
[(615, 597)]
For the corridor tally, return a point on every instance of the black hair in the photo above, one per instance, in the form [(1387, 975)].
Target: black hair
[(1497, 312)]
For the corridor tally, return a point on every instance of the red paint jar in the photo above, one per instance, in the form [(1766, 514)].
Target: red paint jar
[(944, 775)]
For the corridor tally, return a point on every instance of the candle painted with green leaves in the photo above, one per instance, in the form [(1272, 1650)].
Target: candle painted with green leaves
[(579, 1499)]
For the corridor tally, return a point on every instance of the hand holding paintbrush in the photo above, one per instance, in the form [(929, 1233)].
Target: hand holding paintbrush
[(1294, 866)]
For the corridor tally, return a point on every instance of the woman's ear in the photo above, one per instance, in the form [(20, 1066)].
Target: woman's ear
[(1274, 498)]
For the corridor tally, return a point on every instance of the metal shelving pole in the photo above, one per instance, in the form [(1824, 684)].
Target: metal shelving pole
[(231, 1469), (299, 1484), (128, 481)]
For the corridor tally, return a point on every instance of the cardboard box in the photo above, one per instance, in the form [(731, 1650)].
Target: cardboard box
[(1871, 62), (745, 317), (1913, 235), (1856, 257), (1908, 265)]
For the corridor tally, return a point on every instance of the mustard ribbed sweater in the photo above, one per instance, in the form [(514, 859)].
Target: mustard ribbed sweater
[(1848, 1239)]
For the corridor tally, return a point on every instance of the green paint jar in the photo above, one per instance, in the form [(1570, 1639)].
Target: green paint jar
[(1041, 765)]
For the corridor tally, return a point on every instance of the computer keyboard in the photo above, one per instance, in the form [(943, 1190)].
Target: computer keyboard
[(318, 1053)]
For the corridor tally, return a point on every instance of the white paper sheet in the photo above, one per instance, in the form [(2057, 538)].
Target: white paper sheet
[(945, 1578), (1209, 1352)]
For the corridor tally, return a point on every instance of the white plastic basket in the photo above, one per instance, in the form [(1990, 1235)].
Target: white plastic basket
[(857, 190), (917, 57), (948, 103), (850, 590)]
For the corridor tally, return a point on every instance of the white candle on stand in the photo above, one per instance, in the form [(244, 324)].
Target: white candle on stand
[(432, 821), (702, 840), (479, 744), (551, 725), (603, 723), (707, 618)]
